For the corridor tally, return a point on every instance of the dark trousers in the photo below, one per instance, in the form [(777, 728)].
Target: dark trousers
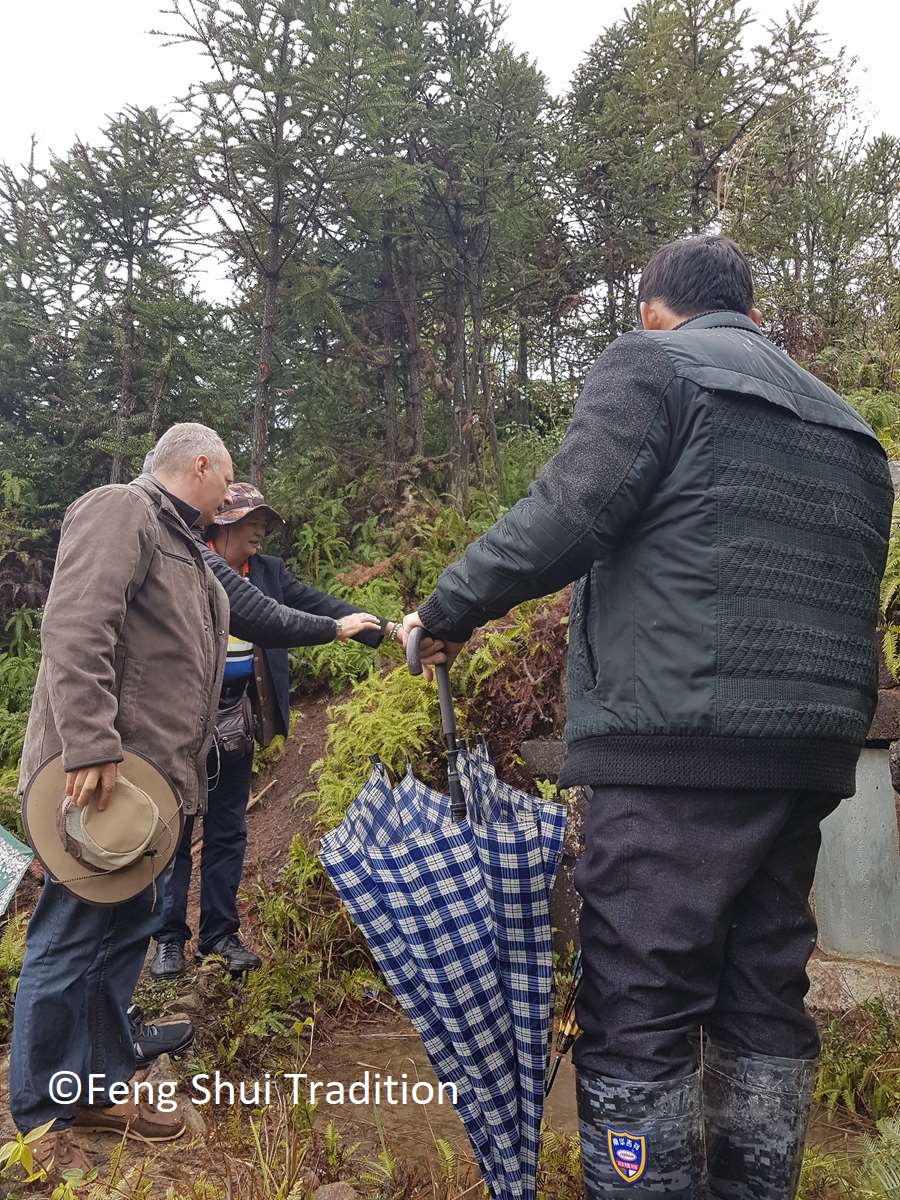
[(81, 964), (696, 912), (221, 860)]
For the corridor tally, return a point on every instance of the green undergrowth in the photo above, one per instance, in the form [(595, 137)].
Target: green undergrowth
[(396, 715), (338, 665), (859, 1066), (12, 951), (314, 961), (286, 1152), (18, 672), (872, 1174)]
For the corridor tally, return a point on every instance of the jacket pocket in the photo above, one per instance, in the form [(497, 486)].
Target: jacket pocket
[(583, 666), (131, 677), (182, 558)]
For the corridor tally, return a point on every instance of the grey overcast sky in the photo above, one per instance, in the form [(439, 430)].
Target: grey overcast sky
[(65, 65)]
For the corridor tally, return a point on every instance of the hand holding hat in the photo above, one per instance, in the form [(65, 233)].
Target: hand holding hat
[(85, 783), (108, 851)]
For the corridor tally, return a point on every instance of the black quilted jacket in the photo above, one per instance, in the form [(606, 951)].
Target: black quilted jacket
[(726, 517)]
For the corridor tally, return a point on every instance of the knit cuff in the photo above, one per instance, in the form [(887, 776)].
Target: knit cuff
[(438, 624)]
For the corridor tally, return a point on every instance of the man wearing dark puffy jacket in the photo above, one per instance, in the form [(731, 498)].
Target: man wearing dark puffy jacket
[(726, 517)]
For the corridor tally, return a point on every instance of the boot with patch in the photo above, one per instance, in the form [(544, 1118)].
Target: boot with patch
[(641, 1140), (756, 1110)]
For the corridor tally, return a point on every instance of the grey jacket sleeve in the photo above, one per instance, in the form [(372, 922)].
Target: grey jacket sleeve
[(611, 456), (262, 620)]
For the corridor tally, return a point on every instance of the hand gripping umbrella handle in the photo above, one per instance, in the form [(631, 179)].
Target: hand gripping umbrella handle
[(445, 697), (448, 718)]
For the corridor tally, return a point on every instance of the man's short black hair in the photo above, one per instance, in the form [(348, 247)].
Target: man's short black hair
[(697, 275)]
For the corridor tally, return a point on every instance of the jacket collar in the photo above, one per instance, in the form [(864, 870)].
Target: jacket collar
[(166, 501), (721, 320)]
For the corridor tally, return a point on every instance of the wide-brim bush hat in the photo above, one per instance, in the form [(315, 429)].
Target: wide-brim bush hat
[(241, 500), (104, 857)]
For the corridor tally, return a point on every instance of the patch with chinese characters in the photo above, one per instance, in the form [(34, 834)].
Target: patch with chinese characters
[(628, 1154)]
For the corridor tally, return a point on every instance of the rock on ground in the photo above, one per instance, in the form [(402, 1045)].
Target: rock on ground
[(337, 1191)]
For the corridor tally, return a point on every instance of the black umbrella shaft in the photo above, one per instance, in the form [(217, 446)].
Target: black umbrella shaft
[(448, 726), (445, 700)]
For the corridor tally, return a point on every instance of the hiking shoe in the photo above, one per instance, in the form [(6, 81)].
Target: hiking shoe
[(142, 1121), (56, 1152), (150, 1041), (168, 961), (238, 959)]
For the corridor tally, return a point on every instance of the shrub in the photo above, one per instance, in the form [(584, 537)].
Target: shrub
[(859, 1066), (18, 672), (12, 951), (394, 716), (507, 684)]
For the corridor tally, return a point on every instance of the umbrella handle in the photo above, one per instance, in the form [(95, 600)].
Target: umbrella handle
[(448, 719), (445, 696)]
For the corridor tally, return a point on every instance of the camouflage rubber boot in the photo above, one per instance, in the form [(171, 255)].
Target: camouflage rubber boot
[(756, 1110), (641, 1139)]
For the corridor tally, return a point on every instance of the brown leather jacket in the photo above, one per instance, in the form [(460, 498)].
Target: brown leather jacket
[(133, 642)]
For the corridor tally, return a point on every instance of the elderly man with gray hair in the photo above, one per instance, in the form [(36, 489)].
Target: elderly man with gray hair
[(133, 645)]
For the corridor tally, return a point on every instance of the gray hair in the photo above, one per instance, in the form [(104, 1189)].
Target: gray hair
[(181, 444)]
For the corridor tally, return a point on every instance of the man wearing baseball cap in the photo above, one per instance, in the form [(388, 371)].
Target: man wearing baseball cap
[(254, 703)]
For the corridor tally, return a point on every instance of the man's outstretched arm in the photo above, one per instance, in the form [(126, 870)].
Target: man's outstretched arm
[(260, 619), (611, 457)]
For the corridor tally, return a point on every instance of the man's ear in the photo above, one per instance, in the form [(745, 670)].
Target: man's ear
[(756, 315), (201, 465), (649, 315), (657, 315)]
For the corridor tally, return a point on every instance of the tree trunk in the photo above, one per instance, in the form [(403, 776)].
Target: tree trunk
[(522, 413), (388, 370), (271, 277), (264, 369), (483, 375), (612, 316), (455, 359), (126, 392), (410, 304), (160, 387)]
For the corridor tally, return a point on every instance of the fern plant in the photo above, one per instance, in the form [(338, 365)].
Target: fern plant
[(394, 716), (880, 1171)]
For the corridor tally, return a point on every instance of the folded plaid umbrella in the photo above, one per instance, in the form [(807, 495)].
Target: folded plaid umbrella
[(456, 914)]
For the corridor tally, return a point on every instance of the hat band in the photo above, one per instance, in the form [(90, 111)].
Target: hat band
[(85, 850)]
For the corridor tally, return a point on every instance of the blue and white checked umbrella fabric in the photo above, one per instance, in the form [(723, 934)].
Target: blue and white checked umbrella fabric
[(457, 917)]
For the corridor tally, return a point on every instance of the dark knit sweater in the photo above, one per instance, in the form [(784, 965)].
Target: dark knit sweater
[(725, 515)]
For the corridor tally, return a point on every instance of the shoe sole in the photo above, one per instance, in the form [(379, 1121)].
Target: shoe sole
[(145, 1062), (119, 1130), (234, 972)]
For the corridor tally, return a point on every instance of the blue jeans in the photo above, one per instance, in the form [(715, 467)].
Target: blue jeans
[(81, 964), (221, 862)]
